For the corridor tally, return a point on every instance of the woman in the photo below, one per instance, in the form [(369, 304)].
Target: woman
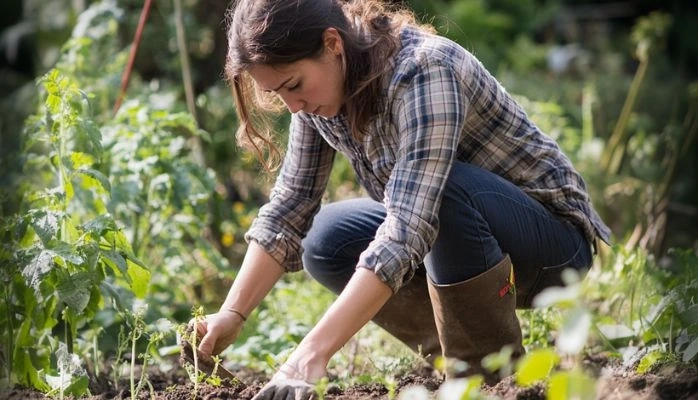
[(462, 186)]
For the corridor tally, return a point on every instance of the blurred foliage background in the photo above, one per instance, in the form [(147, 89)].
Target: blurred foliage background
[(615, 82), (616, 77)]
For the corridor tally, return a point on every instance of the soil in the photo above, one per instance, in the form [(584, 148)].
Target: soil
[(614, 382)]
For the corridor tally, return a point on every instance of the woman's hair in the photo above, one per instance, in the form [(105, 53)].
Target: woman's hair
[(277, 32)]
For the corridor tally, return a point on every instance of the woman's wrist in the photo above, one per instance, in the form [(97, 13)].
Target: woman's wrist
[(305, 363), (235, 311)]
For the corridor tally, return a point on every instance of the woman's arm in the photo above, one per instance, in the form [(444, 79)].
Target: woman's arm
[(361, 299), (258, 274)]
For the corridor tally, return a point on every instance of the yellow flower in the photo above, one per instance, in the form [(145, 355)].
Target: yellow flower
[(238, 207), (227, 239)]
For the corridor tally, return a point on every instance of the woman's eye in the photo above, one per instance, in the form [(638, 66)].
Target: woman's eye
[(295, 86)]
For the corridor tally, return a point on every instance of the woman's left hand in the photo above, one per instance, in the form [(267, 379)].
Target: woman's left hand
[(286, 389), (295, 379)]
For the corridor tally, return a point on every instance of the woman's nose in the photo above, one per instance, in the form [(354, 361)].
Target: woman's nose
[(293, 104)]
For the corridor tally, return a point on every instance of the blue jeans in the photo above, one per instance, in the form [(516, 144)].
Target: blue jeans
[(482, 217)]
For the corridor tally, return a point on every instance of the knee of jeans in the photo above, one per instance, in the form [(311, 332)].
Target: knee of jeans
[(328, 271), (312, 259)]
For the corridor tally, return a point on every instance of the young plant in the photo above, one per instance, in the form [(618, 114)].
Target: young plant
[(139, 329), (189, 337)]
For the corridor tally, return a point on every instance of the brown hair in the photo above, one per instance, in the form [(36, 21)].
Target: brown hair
[(275, 32)]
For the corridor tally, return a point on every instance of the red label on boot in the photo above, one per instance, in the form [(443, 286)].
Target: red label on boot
[(503, 291), (509, 287)]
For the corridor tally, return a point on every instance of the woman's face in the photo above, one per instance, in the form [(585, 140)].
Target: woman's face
[(311, 85)]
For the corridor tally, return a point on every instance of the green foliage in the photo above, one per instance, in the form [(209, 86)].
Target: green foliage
[(574, 384), (536, 366), (648, 305), (63, 252), (161, 195), (102, 198), (487, 28)]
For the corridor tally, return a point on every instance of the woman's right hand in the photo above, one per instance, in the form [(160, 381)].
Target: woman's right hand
[(218, 331)]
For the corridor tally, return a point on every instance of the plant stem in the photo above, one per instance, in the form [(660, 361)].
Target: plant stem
[(135, 239), (61, 373), (615, 148), (196, 358), (10, 334), (94, 346), (184, 58), (133, 362)]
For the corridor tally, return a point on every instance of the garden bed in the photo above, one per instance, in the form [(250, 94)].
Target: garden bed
[(614, 382)]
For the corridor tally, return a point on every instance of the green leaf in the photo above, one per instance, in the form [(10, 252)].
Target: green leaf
[(79, 160), (100, 224), (536, 366), (45, 224), (117, 262), (27, 374), (68, 187), (78, 386), (65, 251), (94, 136), (118, 240), (75, 290), (23, 338), (650, 360), (112, 291), (571, 385), (691, 351), (97, 176), (574, 332), (690, 315), (53, 103), (37, 268), (140, 278)]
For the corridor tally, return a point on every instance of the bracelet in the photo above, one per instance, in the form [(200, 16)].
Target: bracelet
[(234, 311)]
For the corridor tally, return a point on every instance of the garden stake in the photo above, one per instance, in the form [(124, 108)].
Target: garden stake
[(132, 55)]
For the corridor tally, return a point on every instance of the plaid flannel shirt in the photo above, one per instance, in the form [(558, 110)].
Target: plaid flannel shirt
[(440, 104)]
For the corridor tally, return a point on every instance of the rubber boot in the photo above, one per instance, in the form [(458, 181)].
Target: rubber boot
[(409, 317), (477, 317)]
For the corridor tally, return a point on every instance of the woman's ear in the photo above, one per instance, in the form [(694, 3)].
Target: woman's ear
[(333, 42)]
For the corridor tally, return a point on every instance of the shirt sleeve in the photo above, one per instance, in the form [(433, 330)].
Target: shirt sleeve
[(294, 200), (429, 111)]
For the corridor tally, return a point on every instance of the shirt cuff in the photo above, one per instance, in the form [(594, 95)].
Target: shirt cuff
[(278, 245)]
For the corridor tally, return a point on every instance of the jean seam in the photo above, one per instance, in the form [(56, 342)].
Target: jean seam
[(539, 275), (579, 248)]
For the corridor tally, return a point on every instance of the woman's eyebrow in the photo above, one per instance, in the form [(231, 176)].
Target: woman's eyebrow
[(282, 84)]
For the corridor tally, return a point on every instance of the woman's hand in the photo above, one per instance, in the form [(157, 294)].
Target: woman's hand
[(218, 331), (296, 379), (361, 299)]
